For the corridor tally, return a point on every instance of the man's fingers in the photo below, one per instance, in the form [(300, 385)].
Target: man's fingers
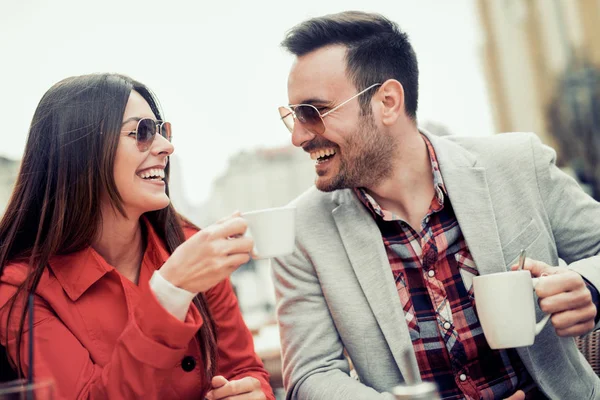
[(538, 268), (566, 301), (576, 330), (559, 282), (566, 319)]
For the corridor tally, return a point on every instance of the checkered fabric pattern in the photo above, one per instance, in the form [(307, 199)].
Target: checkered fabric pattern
[(430, 268)]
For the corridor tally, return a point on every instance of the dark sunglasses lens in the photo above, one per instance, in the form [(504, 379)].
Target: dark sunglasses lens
[(146, 130), (310, 118)]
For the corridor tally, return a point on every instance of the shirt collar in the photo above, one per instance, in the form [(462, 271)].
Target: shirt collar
[(438, 183), (77, 272)]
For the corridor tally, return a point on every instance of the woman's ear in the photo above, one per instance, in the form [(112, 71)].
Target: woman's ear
[(391, 98)]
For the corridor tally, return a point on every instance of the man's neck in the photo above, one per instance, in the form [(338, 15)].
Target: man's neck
[(120, 243), (409, 190)]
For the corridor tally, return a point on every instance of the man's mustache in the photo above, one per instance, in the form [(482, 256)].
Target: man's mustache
[(318, 143)]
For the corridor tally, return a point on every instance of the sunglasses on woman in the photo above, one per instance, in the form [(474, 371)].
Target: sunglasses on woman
[(146, 131), (309, 115)]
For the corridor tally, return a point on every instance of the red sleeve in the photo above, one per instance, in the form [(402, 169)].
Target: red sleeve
[(152, 342), (189, 231), (237, 358)]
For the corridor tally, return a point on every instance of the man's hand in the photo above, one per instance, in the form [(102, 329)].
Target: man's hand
[(563, 293), (518, 395), (247, 388)]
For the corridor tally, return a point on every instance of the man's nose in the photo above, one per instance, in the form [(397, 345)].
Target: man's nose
[(301, 135)]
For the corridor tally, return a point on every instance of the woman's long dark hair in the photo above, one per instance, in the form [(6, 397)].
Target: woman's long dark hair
[(68, 162)]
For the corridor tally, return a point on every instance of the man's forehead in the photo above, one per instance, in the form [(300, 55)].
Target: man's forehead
[(318, 73)]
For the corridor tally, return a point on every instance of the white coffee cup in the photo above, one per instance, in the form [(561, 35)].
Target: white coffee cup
[(273, 231), (505, 307)]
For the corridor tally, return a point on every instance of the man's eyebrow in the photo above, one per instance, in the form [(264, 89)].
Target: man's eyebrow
[(313, 101), (130, 119)]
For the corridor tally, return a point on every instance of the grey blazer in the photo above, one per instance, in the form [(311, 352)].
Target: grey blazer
[(336, 290)]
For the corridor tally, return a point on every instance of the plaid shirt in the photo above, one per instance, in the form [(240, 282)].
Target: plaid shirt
[(429, 268)]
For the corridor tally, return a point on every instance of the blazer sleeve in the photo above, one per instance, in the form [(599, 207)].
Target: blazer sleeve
[(150, 345), (314, 366), (237, 358), (574, 216)]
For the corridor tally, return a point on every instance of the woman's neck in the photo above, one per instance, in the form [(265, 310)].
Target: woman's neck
[(120, 243)]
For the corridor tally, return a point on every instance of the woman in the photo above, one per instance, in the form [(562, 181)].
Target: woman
[(87, 228)]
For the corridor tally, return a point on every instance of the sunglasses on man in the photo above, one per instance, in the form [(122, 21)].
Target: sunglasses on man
[(146, 131), (309, 116)]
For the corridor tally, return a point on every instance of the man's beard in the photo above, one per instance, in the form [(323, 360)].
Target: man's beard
[(366, 159)]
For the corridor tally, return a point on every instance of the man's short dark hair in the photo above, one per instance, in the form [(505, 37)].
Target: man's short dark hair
[(377, 50)]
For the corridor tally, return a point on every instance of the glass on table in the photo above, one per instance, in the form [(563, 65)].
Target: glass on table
[(22, 389)]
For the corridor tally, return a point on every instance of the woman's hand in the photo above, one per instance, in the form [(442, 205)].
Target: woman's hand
[(247, 388), (209, 256)]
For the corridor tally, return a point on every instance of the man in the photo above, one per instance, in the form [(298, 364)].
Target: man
[(399, 223)]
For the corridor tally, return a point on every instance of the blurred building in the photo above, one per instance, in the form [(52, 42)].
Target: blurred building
[(8, 174), (258, 179), (528, 44)]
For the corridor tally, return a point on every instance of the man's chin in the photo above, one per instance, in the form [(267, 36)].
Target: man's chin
[(327, 185)]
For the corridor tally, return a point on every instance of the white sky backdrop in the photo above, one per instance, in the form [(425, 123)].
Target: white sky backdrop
[(217, 67)]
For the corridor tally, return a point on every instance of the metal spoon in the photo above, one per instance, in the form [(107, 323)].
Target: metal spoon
[(521, 260)]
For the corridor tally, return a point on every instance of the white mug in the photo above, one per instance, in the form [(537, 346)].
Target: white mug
[(505, 307), (273, 231)]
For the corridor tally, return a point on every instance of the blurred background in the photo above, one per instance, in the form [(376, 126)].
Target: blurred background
[(487, 66)]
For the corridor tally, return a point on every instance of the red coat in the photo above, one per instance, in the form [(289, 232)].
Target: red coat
[(98, 335)]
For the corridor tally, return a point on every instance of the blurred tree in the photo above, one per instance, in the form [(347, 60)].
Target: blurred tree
[(574, 121)]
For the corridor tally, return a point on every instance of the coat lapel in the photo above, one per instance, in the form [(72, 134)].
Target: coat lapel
[(469, 194), (362, 240)]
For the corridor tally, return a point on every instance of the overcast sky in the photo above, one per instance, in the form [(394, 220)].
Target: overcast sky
[(217, 68)]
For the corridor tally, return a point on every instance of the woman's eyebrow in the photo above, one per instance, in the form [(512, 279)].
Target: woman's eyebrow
[(130, 119)]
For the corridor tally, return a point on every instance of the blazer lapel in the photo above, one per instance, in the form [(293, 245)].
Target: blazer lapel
[(469, 194), (362, 240)]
